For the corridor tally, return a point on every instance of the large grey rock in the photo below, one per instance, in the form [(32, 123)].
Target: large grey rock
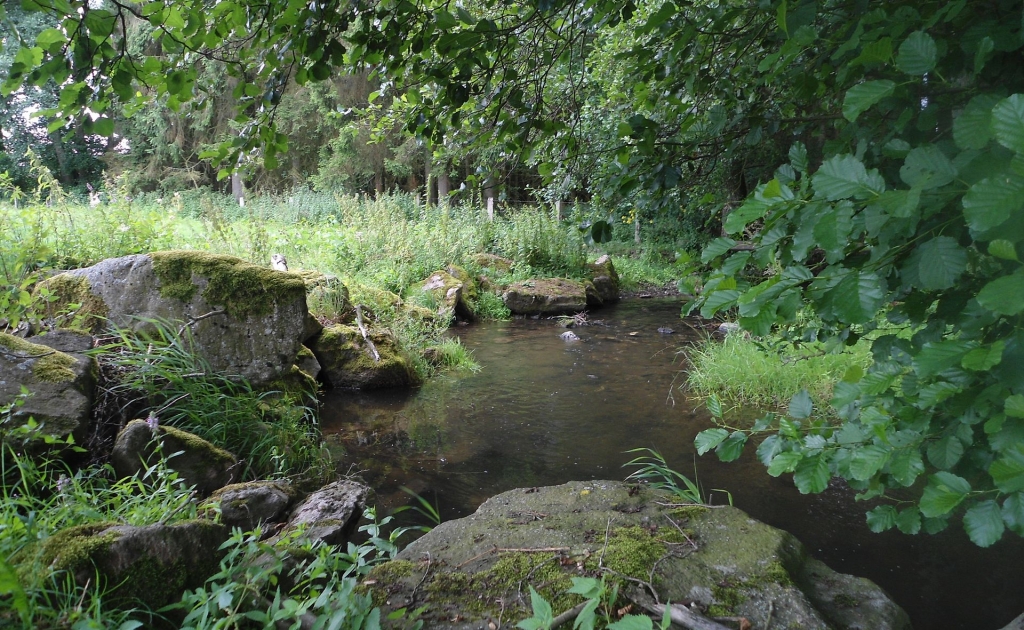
[(471, 571), (62, 386), (605, 280), (546, 296), (151, 565), (1016, 624), (451, 294), (254, 319), (247, 505), (331, 513), (348, 362), (196, 461)]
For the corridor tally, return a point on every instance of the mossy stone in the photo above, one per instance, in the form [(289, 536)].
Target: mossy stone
[(348, 362)]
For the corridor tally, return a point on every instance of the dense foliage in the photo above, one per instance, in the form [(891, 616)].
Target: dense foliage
[(895, 216)]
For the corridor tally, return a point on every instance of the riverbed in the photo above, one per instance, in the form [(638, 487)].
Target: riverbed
[(544, 411)]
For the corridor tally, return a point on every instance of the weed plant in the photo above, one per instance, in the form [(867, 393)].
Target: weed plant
[(274, 436), (743, 371)]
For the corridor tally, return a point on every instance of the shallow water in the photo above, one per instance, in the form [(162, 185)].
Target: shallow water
[(543, 411)]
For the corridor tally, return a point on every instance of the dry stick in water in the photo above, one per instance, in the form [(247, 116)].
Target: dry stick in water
[(362, 329)]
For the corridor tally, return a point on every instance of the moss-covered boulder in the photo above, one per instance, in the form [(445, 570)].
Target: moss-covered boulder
[(450, 295), (61, 385), (471, 571), (246, 320), (197, 461), (247, 505), (327, 297), (546, 296), (605, 280), (490, 261), (149, 565), (347, 360)]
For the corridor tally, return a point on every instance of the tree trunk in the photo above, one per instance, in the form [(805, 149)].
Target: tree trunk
[(443, 186), (378, 182), (238, 188), (62, 159)]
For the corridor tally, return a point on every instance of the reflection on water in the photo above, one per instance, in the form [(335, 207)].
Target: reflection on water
[(544, 411)]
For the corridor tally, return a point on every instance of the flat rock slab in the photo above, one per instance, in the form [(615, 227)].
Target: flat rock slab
[(247, 505), (474, 572), (61, 385), (547, 296), (331, 513)]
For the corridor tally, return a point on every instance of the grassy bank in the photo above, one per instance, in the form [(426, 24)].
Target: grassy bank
[(745, 372)]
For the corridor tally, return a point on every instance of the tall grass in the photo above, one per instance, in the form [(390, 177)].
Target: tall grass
[(742, 371), (163, 374)]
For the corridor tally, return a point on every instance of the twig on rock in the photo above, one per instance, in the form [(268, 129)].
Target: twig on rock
[(366, 336)]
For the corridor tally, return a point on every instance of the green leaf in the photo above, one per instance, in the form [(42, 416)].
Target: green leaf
[(1004, 295), (716, 248), (928, 167), (936, 356), (984, 523), (103, 127), (784, 462), (917, 54), (50, 36), (1002, 248), (10, 586), (843, 177), (632, 622), (731, 449), (812, 475), (984, 358), (867, 460), (1013, 512), (1014, 406), (857, 297), (832, 231), (941, 264), (798, 157), (1008, 122), (881, 518), (709, 439), (545, 169), (991, 201), (601, 232), (861, 97), (1008, 471), (739, 218), (908, 520), (972, 129), (717, 301), (768, 449), (800, 405), (945, 453), (944, 492)]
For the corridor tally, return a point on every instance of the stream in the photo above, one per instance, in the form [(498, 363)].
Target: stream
[(543, 411)]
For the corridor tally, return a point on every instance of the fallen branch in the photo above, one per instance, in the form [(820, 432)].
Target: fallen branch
[(366, 336), (568, 615), (194, 320), (686, 617)]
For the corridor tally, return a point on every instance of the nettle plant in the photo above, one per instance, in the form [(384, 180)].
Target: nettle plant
[(906, 231)]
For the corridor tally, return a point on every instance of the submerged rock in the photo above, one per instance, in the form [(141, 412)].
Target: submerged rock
[(546, 296), (197, 462), (61, 385), (470, 571), (569, 336), (348, 362), (246, 320)]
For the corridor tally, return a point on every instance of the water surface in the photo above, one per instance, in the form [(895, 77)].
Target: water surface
[(542, 411)]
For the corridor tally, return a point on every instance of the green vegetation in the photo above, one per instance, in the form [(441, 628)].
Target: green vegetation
[(746, 372)]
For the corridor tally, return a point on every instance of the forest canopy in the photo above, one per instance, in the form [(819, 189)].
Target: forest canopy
[(866, 160)]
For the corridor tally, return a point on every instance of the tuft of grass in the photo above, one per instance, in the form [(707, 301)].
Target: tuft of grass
[(273, 434), (452, 355), (742, 371), (653, 470)]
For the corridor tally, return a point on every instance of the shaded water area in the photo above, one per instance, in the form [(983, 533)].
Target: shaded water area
[(543, 411)]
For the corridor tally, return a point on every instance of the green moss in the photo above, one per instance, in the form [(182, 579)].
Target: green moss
[(633, 550), (195, 443), (348, 362), (89, 312), (243, 289), (70, 549), (689, 511), (845, 600), (728, 594), (294, 384), (52, 366), (727, 598), (469, 289)]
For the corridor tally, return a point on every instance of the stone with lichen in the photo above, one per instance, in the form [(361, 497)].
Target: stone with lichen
[(247, 505), (61, 386), (347, 360), (246, 320), (605, 280), (451, 294), (547, 296), (471, 571), (331, 513)]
